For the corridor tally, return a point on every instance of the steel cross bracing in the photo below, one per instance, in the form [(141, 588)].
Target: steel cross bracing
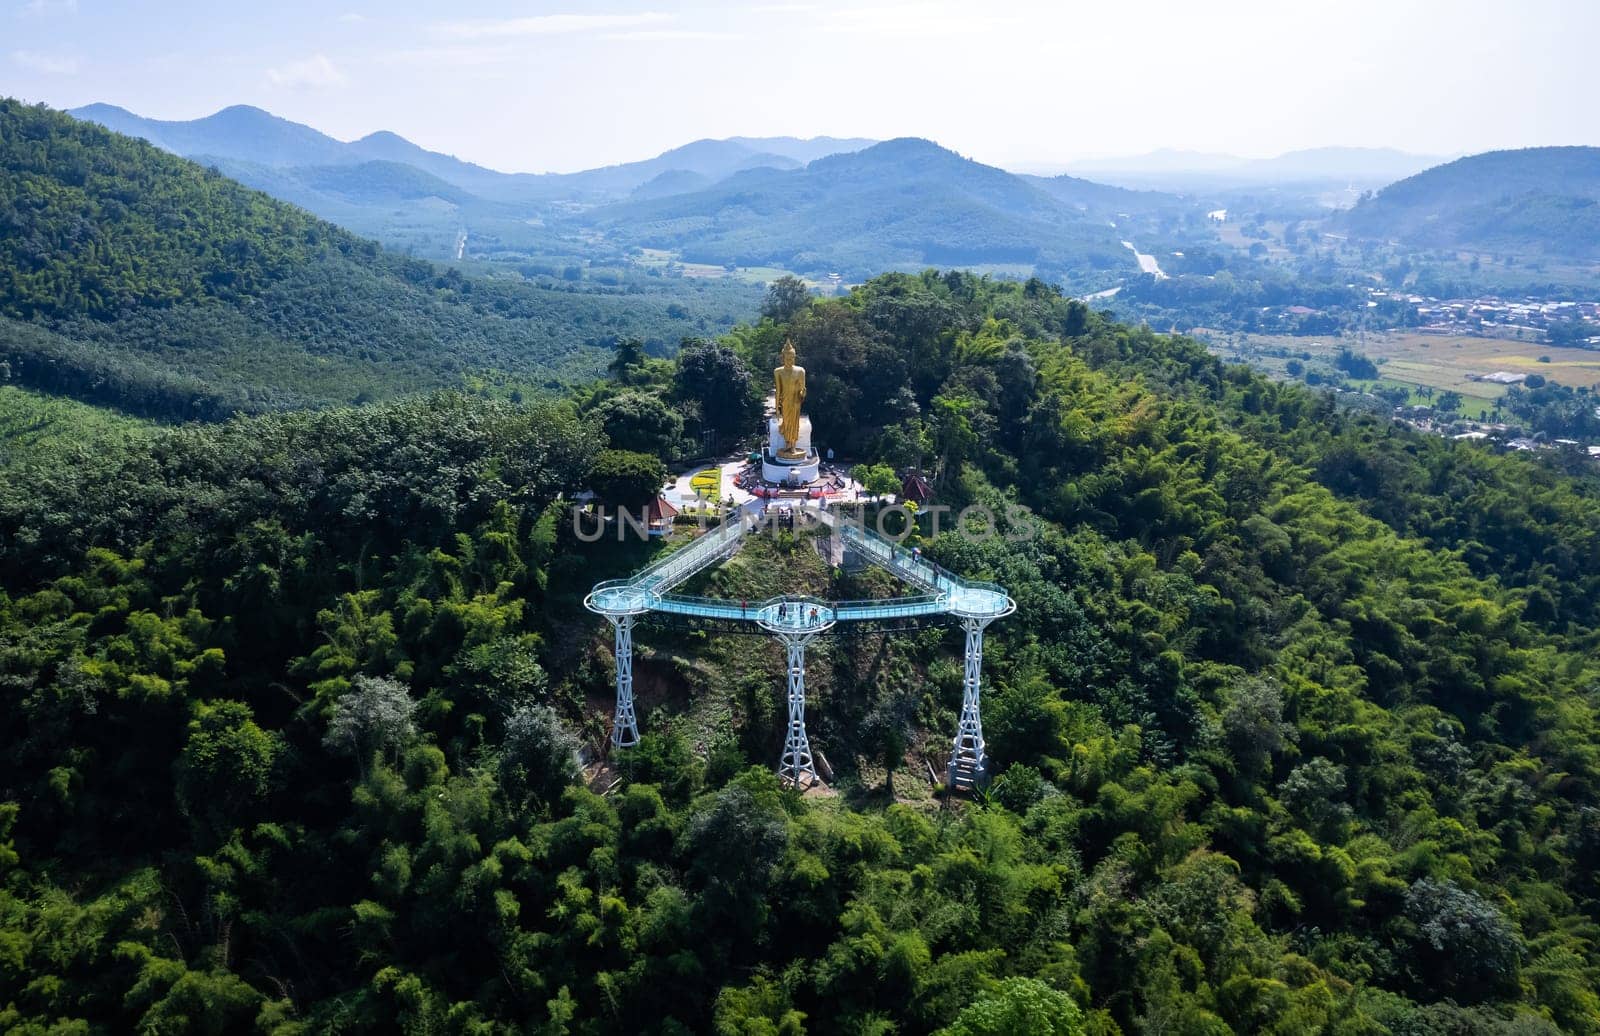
[(969, 765), (795, 620), (625, 725), (795, 765)]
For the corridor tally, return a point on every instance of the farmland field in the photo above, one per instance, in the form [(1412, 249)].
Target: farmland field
[(660, 258), (1439, 362)]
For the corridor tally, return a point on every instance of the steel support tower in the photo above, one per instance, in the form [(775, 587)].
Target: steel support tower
[(625, 725), (969, 764), (795, 765)]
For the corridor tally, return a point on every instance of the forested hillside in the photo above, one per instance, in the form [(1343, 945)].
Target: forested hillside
[(290, 705), (1535, 200), (133, 278), (398, 204)]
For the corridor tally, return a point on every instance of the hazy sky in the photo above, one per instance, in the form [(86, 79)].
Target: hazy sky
[(562, 86)]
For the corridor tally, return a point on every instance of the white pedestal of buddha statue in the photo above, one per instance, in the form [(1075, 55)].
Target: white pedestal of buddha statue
[(780, 469)]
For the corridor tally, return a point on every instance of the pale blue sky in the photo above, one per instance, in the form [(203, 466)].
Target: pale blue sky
[(561, 86)]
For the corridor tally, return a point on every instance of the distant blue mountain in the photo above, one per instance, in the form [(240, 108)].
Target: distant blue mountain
[(804, 151), (246, 134), (239, 132), (1192, 170)]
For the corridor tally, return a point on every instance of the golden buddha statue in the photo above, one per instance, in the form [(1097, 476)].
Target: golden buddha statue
[(789, 390)]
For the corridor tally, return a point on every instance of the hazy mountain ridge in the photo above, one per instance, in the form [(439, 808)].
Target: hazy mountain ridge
[(239, 132), (903, 203), (1099, 198), (713, 159), (374, 182), (248, 134), (823, 205), (805, 150), (833, 206), (1170, 169), (1533, 199)]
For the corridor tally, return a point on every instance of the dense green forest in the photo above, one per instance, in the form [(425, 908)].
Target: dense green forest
[(1294, 728), (138, 280)]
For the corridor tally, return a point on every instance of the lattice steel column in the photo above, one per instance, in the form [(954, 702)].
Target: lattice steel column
[(625, 727), (796, 759), (969, 765)]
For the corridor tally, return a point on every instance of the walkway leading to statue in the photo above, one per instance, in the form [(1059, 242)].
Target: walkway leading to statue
[(944, 592), (796, 619)]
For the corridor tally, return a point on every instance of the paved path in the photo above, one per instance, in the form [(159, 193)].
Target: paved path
[(681, 494)]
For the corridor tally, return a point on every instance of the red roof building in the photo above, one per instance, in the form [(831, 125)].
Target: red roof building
[(660, 514), (915, 488)]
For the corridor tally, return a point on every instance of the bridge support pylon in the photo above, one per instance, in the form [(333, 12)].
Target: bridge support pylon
[(625, 725), (969, 763), (795, 767)]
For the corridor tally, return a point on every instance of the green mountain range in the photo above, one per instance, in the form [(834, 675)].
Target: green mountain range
[(904, 203), (135, 278), (817, 206)]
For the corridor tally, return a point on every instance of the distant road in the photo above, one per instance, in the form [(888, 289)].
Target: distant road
[(1147, 263)]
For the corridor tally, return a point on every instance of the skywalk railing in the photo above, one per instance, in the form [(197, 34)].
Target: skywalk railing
[(681, 564), (888, 607), (841, 611), (946, 593), (706, 607), (897, 558)]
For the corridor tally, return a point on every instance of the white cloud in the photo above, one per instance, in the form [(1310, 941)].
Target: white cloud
[(549, 24), (351, 17), (41, 8), (313, 73), (51, 64)]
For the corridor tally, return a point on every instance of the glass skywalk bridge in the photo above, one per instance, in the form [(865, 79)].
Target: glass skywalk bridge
[(795, 620)]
